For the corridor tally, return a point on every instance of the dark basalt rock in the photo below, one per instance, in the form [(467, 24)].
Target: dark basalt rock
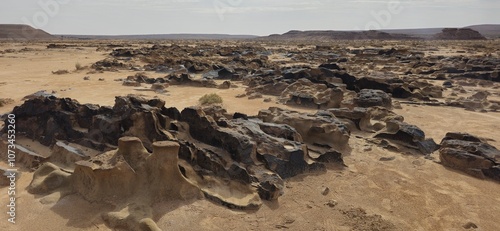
[(370, 98), (407, 135), (331, 66), (390, 85), (469, 154), (242, 148), (185, 79)]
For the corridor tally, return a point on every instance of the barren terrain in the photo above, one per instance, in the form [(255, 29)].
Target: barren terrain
[(378, 189)]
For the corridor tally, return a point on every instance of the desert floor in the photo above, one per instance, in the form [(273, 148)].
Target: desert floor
[(407, 193)]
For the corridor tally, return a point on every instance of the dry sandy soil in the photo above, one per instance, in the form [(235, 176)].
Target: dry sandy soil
[(407, 193)]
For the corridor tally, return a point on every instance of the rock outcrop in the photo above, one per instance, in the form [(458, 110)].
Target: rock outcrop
[(470, 154), (255, 153), (305, 93)]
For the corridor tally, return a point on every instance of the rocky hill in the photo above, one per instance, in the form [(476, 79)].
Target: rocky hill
[(338, 35), (488, 30), (22, 32), (459, 34), (467, 33)]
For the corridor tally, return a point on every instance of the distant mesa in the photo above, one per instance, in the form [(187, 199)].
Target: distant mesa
[(475, 32), (459, 34), (22, 32), (396, 34), (340, 35)]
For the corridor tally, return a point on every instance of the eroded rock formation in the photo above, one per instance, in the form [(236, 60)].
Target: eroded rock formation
[(470, 154)]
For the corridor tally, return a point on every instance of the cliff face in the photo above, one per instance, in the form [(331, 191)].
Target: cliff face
[(459, 34), (22, 32)]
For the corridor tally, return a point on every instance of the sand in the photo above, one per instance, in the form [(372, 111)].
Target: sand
[(407, 193)]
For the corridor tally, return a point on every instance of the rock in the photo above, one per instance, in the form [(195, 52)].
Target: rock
[(225, 85), (394, 86), (305, 93), (447, 84), (185, 79), (369, 98), (323, 128), (48, 119), (470, 154), (255, 96), (470, 225), (367, 119), (408, 136), (387, 158), (221, 72), (60, 72), (48, 178), (325, 191), (129, 83), (109, 65), (332, 203), (116, 174), (248, 139), (331, 66), (265, 88), (86, 78), (159, 87), (432, 91)]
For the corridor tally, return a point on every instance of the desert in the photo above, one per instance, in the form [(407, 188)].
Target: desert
[(299, 131)]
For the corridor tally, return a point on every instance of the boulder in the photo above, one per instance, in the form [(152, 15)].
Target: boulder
[(408, 136), (322, 128), (305, 93), (470, 154), (369, 98), (185, 79)]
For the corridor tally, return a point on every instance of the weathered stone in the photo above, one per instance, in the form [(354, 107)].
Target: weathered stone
[(369, 98), (471, 155)]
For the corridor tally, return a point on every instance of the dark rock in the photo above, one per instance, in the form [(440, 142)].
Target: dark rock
[(185, 79), (470, 154), (331, 66), (370, 98), (407, 135)]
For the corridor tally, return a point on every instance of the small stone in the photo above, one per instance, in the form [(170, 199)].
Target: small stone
[(241, 95), (332, 203), (267, 100), (387, 158), (325, 191), (86, 78), (255, 96), (470, 225), (397, 105), (101, 79)]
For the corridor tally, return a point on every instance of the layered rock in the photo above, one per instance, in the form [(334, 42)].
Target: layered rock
[(305, 93), (248, 151), (470, 154), (322, 128)]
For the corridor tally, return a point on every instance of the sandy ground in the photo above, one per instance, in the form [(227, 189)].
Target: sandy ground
[(407, 193)]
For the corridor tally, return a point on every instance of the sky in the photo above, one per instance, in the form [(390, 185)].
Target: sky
[(251, 17)]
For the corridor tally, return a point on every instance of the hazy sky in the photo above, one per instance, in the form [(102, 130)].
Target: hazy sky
[(258, 17)]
